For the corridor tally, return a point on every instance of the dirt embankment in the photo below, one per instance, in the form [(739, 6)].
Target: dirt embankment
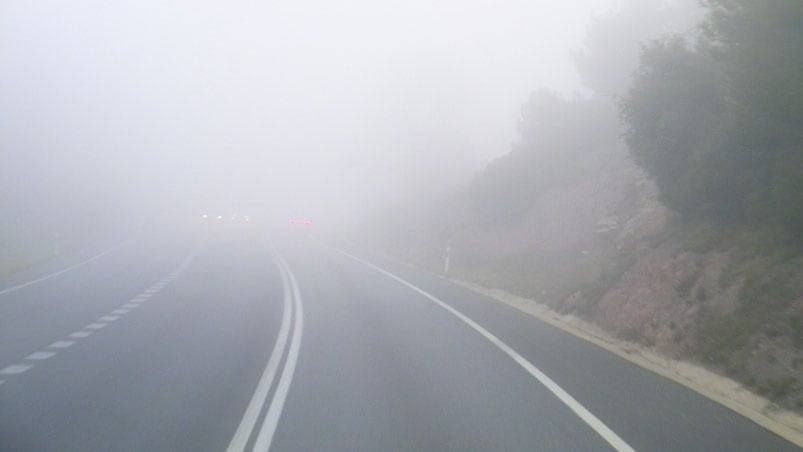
[(607, 251), (710, 384)]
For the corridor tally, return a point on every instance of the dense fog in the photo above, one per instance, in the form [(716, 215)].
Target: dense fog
[(634, 163), (319, 109)]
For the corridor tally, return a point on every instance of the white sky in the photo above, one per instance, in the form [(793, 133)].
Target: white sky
[(310, 106)]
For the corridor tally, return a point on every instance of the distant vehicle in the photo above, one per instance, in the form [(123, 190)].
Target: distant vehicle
[(233, 218)]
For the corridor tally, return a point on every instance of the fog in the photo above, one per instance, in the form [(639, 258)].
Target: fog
[(313, 108)]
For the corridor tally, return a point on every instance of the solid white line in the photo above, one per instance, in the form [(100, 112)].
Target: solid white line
[(61, 344), (40, 356), (265, 437), (243, 433), (15, 369), (606, 433), (80, 334), (46, 277)]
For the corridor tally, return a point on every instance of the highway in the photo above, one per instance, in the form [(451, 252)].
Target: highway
[(231, 339)]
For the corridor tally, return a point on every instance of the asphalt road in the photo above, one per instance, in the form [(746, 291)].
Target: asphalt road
[(224, 340)]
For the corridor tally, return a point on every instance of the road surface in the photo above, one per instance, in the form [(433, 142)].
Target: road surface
[(224, 340)]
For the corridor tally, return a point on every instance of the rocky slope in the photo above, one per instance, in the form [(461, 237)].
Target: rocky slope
[(607, 250)]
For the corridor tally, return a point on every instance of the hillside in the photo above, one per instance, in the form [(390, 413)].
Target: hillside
[(670, 217), (610, 252)]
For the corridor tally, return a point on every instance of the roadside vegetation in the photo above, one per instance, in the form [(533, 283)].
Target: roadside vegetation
[(667, 206)]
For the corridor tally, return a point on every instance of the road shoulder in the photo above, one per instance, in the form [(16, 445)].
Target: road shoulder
[(722, 390)]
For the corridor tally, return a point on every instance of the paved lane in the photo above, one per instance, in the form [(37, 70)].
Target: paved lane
[(385, 368), (172, 343), (172, 372)]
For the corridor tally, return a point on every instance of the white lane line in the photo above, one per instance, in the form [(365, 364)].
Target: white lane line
[(265, 437), (80, 334), (243, 433), (606, 433), (15, 369), (40, 356), (60, 272), (61, 344)]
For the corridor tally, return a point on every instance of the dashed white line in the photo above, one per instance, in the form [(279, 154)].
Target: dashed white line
[(15, 369), (61, 344), (40, 356), (80, 334)]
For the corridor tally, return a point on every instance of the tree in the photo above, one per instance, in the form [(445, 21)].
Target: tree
[(674, 109), (718, 124), (758, 44), (561, 141), (611, 50)]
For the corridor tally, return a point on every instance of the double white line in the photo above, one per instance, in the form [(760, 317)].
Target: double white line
[(293, 312)]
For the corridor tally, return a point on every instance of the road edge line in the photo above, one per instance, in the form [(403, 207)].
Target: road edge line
[(583, 413), (62, 271), (619, 348)]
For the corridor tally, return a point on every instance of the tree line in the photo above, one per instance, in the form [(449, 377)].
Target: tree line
[(717, 120)]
